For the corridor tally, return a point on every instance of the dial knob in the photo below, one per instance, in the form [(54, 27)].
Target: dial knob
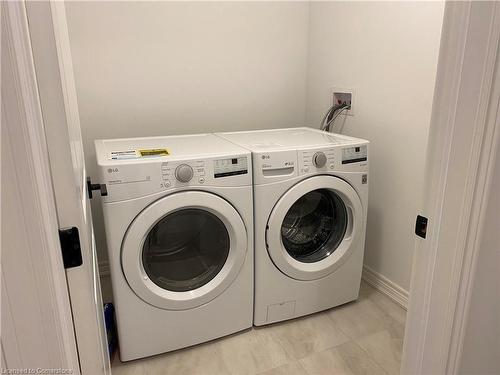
[(319, 159), (184, 173)]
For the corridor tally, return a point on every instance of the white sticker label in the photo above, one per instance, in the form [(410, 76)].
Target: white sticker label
[(135, 154), (121, 155)]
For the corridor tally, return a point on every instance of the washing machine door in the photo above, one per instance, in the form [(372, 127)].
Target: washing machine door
[(184, 250), (314, 227)]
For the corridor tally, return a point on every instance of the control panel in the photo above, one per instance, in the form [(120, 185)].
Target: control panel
[(197, 172), (316, 160), (274, 166), (354, 154), (348, 158), (183, 172), (230, 167), (131, 180), (319, 159)]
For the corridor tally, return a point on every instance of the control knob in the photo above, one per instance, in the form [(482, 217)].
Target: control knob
[(184, 173), (319, 159)]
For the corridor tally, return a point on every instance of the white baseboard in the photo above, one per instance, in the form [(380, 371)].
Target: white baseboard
[(104, 268), (386, 286)]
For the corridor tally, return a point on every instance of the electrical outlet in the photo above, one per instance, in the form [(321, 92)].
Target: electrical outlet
[(344, 96)]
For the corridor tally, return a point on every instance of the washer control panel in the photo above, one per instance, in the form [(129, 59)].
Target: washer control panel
[(316, 160), (319, 159), (354, 154), (334, 159)]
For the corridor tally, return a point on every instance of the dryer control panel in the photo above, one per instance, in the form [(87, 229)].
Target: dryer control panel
[(230, 167), (136, 179), (183, 172)]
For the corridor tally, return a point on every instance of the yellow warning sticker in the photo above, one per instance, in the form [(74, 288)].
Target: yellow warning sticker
[(154, 152)]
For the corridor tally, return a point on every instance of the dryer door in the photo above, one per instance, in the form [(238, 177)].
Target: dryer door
[(314, 227), (184, 250)]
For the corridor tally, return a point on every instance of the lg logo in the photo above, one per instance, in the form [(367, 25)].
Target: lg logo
[(264, 157), (112, 170)]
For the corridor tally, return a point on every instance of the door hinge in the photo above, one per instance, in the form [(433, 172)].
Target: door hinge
[(101, 187), (421, 226), (70, 247)]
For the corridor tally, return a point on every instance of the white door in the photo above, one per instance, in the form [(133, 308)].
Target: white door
[(53, 65), (184, 250), (313, 227), (37, 330)]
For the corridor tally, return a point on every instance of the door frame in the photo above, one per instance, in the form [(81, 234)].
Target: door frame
[(23, 129), (49, 39), (463, 142)]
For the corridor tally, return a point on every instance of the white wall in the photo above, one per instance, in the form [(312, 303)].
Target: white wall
[(160, 68), (156, 68), (481, 348), (388, 53)]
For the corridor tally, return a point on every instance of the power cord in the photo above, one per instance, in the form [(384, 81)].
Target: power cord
[(332, 114)]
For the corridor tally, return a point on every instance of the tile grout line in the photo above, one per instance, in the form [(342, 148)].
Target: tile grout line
[(354, 340), (372, 358)]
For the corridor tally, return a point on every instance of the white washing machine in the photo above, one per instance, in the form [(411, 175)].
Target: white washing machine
[(311, 196), (179, 227)]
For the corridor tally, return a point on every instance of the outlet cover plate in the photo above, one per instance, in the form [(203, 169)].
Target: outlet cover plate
[(344, 94)]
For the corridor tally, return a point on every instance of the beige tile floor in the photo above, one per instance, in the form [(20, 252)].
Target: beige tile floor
[(361, 337)]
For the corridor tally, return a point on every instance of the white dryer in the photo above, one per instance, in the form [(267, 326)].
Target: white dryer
[(179, 227), (311, 197)]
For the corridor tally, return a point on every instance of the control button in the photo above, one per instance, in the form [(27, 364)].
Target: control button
[(306, 169), (319, 159), (332, 166), (184, 173), (201, 180), (166, 183)]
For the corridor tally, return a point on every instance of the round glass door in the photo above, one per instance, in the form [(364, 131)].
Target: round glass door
[(314, 226), (185, 250)]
